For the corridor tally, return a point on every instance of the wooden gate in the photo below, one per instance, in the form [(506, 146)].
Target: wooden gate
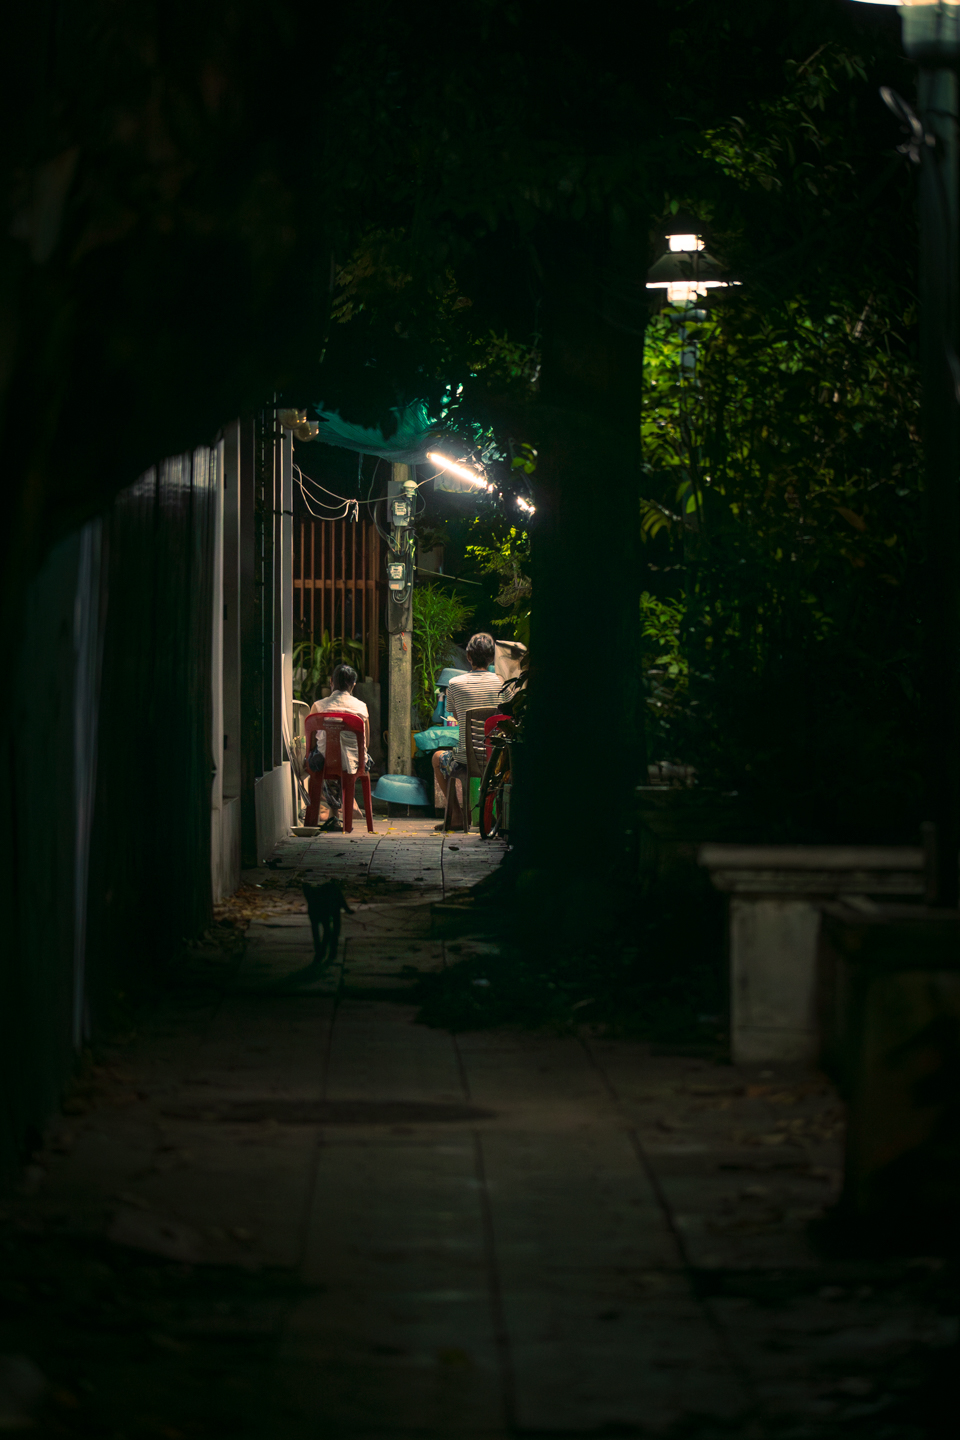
[(337, 584)]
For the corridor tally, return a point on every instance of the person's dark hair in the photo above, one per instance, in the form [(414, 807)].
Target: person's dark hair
[(344, 677), (480, 649)]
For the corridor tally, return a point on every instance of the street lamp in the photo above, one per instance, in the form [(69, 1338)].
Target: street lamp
[(686, 271), (931, 37)]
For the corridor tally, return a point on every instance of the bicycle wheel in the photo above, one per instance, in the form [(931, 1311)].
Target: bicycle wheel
[(495, 775)]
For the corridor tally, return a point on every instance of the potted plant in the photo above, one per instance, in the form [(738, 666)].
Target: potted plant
[(437, 617), (314, 662)]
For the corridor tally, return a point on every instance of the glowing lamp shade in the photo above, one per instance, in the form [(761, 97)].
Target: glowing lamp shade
[(684, 242), (685, 271)]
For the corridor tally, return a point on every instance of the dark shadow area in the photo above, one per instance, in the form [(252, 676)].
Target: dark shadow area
[(661, 977), (129, 1346), (329, 1112)]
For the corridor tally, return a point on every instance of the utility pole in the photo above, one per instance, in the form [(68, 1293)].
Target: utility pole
[(399, 619), (931, 37), (937, 103)]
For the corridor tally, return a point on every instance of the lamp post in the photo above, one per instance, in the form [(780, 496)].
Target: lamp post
[(686, 272), (931, 37)]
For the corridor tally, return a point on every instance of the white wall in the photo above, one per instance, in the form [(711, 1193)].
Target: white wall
[(273, 793)]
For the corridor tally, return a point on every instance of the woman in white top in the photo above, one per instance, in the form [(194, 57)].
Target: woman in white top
[(344, 680), (341, 698)]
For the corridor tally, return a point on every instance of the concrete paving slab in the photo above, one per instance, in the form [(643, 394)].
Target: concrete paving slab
[(377, 1052), (609, 1241), (389, 920), (541, 1188), (265, 1044), (616, 1367), (386, 1203), (413, 1363), (592, 1349), (364, 954), (218, 1190), (467, 859), (403, 1335), (503, 1066), (736, 1174)]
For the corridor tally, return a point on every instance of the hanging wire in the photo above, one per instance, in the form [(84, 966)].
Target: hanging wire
[(326, 514), (373, 513), (341, 499), (343, 506)]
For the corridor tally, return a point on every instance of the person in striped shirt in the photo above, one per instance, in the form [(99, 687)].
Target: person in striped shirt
[(477, 686)]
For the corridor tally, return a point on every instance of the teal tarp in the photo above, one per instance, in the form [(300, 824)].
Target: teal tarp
[(438, 737), (415, 434)]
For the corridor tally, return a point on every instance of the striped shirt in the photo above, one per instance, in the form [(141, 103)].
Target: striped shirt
[(465, 692)]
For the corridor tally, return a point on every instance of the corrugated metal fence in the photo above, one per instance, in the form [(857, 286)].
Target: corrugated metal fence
[(150, 851), (107, 733), (337, 584), (149, 700)]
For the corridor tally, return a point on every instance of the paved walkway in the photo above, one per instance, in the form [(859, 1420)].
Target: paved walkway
[(482, 1235)]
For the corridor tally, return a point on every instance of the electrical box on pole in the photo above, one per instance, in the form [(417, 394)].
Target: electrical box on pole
[(396, 576), (401, 510)]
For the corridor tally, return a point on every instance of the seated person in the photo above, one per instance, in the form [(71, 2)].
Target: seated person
[(477, 686), (340, 699)]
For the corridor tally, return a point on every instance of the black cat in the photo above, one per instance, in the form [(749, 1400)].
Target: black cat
[(324, 903)]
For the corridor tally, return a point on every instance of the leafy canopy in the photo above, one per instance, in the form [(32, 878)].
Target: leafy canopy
[(781, 497)]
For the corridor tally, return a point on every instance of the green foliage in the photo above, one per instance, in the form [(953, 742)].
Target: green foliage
[(508, 558), (783, 475), (791, 141), (796, 431), (506, 363), (378, 276), (666, 669), (524, 459), (438, 616), (782, 486), (314, 663)]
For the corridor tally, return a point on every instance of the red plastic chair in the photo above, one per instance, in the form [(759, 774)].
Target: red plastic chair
[(489, 725), (333, 723)]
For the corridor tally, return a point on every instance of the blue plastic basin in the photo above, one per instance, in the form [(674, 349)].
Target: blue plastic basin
[(402, 790)]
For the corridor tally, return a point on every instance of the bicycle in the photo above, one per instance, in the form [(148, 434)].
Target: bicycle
[(496, 776)]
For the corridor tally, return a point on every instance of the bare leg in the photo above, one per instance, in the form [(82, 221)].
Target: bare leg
[(315, 792)]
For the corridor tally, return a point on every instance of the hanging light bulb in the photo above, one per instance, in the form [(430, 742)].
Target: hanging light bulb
[(685, 242), (296, 420)]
